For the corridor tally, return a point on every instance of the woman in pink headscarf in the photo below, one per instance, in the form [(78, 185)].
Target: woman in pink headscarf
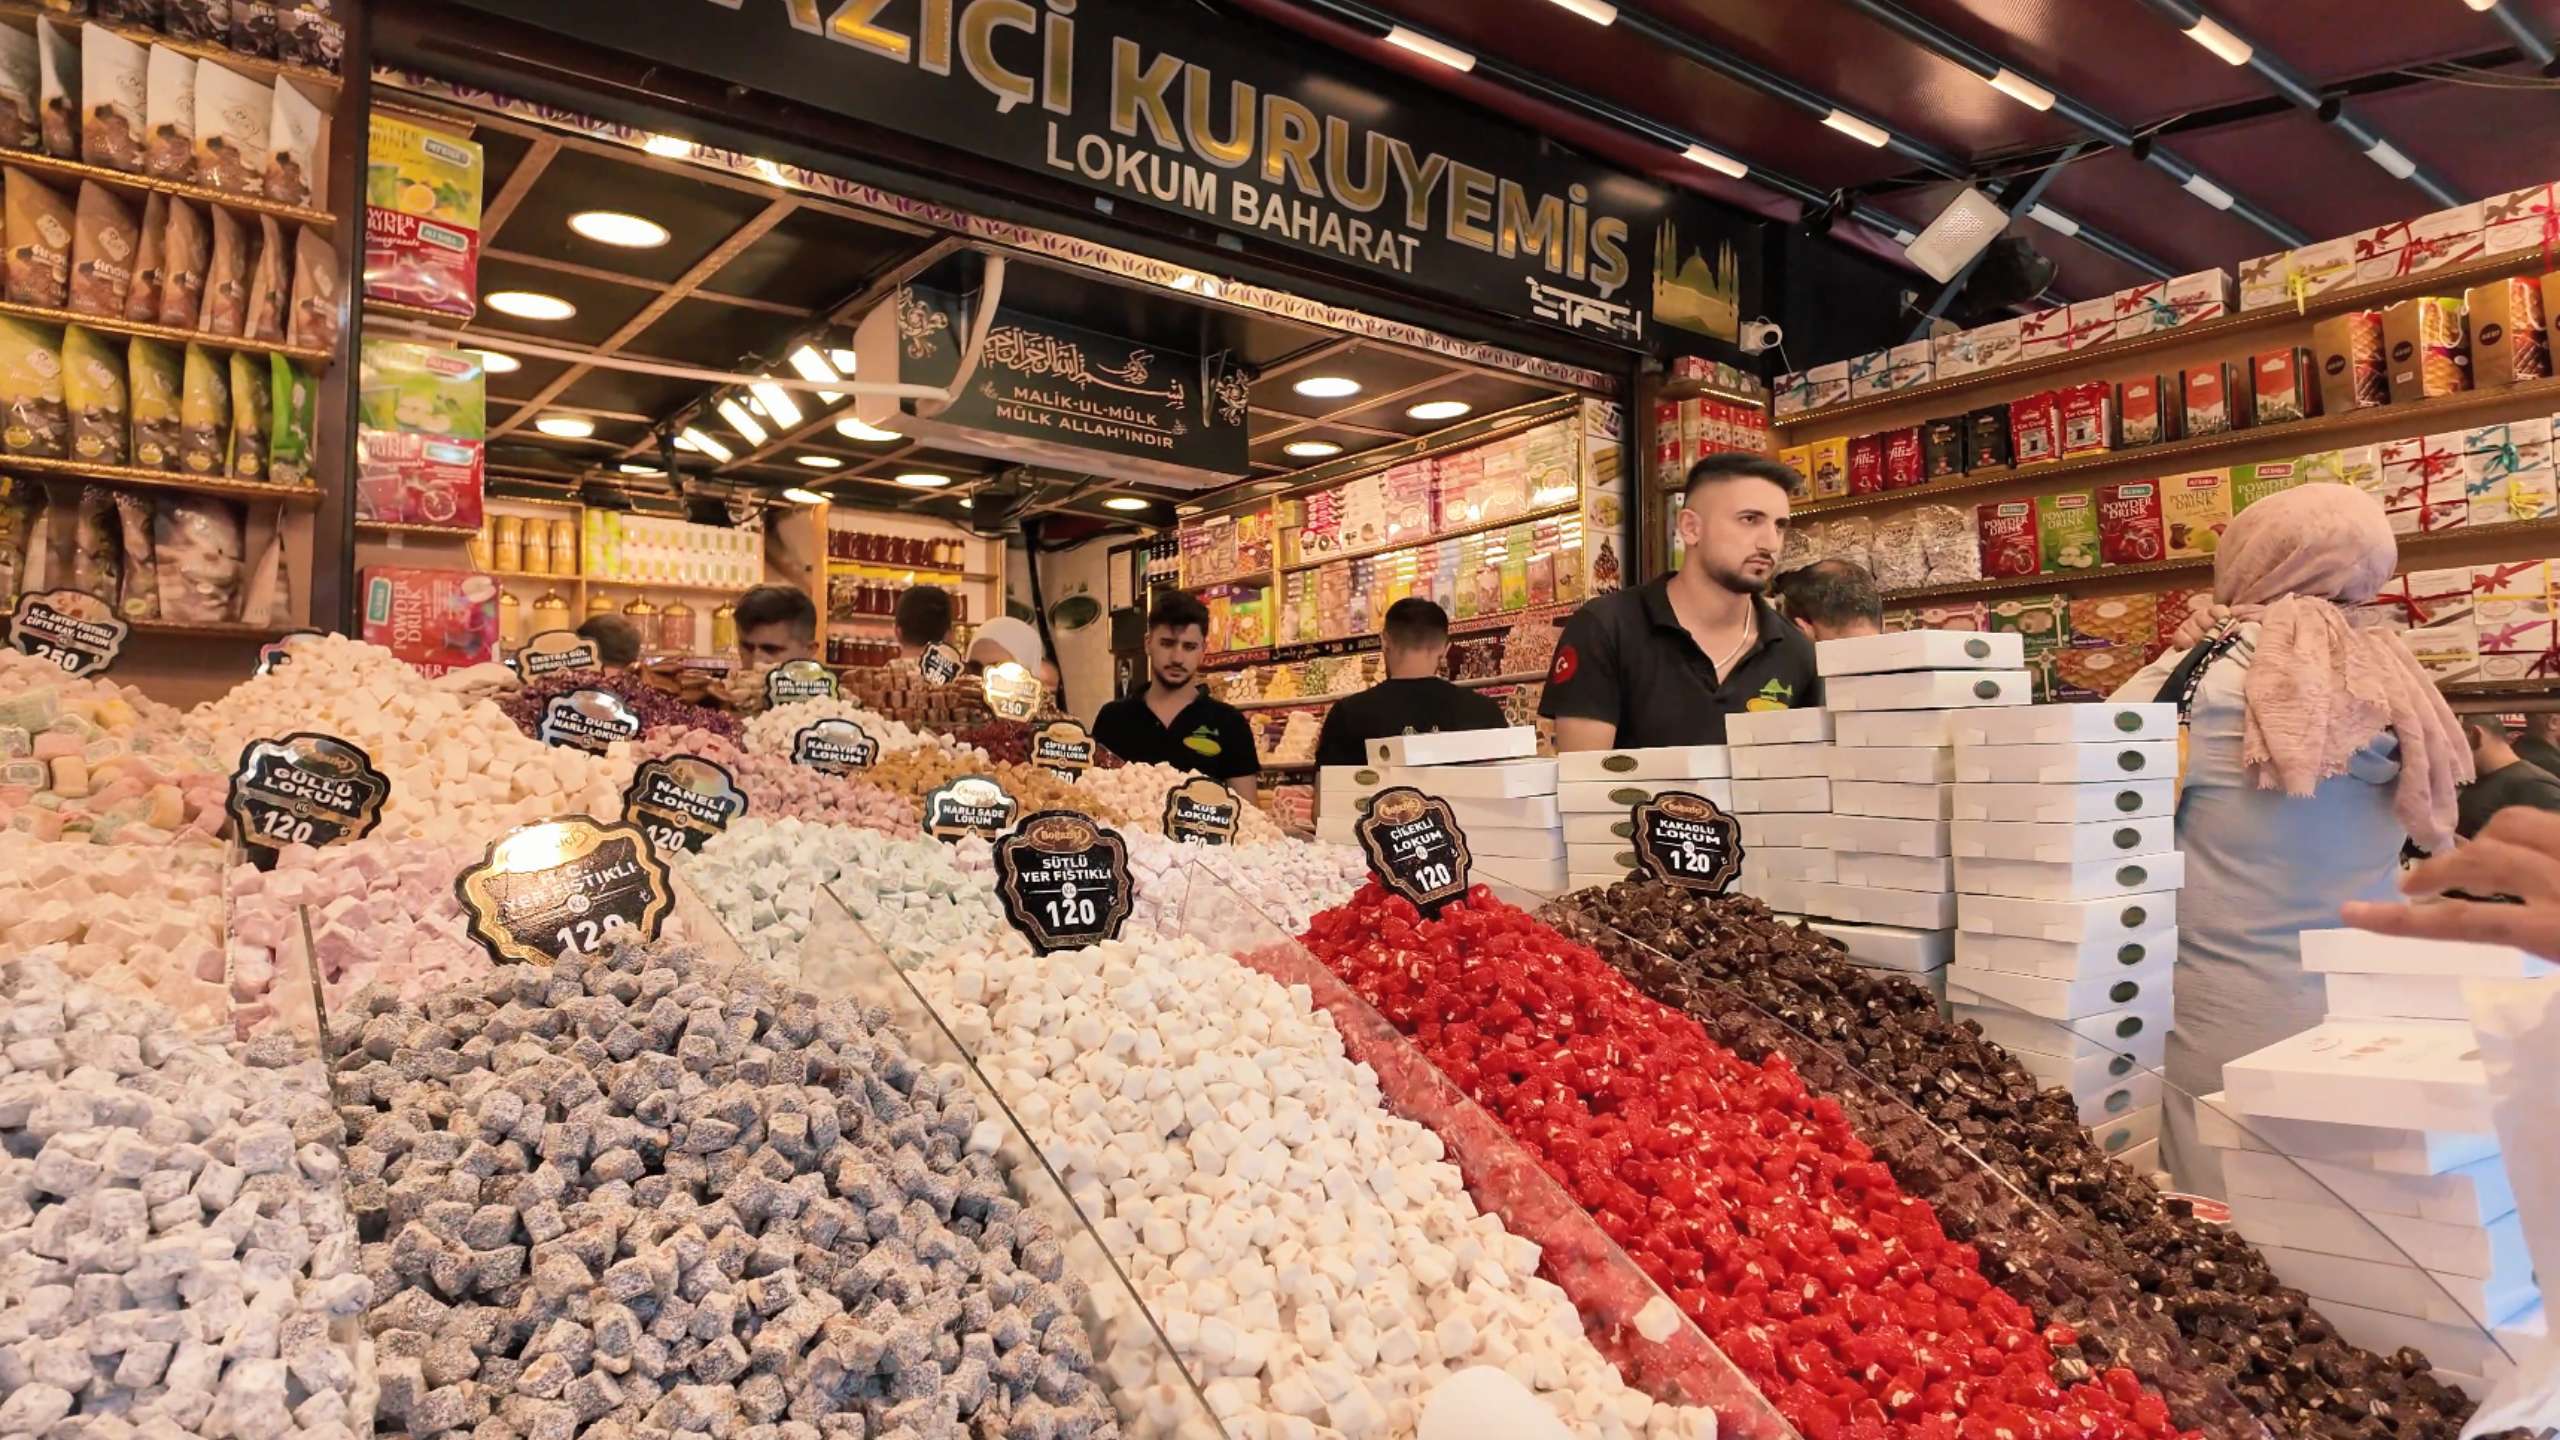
[(2312, 749)]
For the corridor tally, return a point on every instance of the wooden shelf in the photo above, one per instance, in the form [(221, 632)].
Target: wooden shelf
[(221, 629), (1684, 389), (134, 477), (74, 170), (117, 325), (2298, 437), (396, 527), (1969, 392), (420, 315), (851, 567), (666, 585), (265, 70), (1525, 517), (1550, 613), (1299, 702)]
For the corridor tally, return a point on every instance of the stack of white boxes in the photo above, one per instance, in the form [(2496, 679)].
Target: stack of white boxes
[(1598, 788), (1895, 699), (2067, 873), (1781, 849), (2350, 1212), (1502, 795)]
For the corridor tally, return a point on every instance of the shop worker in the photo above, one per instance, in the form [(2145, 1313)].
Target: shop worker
[(2540, 743), (1832, 600), (1664, 664), (2504, 778), (617, 640), (1413, 699), (1172, 720), (776, 624), (923, 618)]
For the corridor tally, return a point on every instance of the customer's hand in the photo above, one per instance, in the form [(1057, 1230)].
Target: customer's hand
[(2517, 853)]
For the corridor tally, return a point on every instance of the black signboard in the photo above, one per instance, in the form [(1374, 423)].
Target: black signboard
[(1683, 839), (278, 653), (1202, 809), (1012, 692), (589, 720), (837, 747), (305, 789), (1064, 748), (970, 805), (1415, 847), (796, 680), (570, 886), (76, 633), (555, 652), (681, 801), (940, 664), (1064, 880)]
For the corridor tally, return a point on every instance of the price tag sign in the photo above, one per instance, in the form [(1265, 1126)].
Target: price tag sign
[(278, 653), (681, 801), (1415, 847), (836, 747), (1063, 748), (1064, 880), (1683, 839), (305, 789), (570, 886), (555, 652), (1012, 692), (1202, 809), (76, 633), (793, 681), (940, 664), (588, 720), (970, 805)]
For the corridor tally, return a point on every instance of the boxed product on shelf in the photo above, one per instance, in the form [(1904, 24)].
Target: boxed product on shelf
[(2281, 387), (2092, 322), (2035, 428), (1869, 374), (2255, 482), (2088, 419), (1987, 443), (2002, 342), (2143, 414), (2195, 508), (2008, 538), (1942, 448), (1828, 467), (1909, 364), (437, 620), (1663, 762), (1454, 747), (1902, 467), (2206, 394), (422, 227), (2066, 532), (2510, 334), (2190, 299), (1917, 650), (2130, 529), (1928, 691), (1866, 464), (2348, 356), (2044, 334), (1586, 797), (2520, 220), (1955, 354)]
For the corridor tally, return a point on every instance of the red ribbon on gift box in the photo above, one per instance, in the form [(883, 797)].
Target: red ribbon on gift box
[(2499, 575)]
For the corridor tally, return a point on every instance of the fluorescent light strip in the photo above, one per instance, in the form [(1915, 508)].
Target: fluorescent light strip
[(2021, 89), (1866, 132), (1721, 164), (2227, 47), (778, 403), (1598, 12), (2208, 192), (2054, 220), (742, 422), (2393, 163), (702, 444), (813, 367), (1430, 49)]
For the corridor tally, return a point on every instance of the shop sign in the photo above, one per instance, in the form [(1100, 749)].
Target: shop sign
[(1231, 123), (1064, 880), (555, 652), (681, 801), (1202, 809), (1013, 692), (73, 632), (793, 681), (305, 789), (571, 886), (1683, 839), (940, 664), (1063, 748), (589, 720), (970, 805), (1415, 847), (834, 747)]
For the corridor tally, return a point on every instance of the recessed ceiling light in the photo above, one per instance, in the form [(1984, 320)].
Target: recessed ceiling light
[(968, 504), (1327, 387), (822, 462), (702, 444), (846, 361), (1188, 509), (1126, 502), (496, 362), (1274, 487), (924, 480), (798, 496), (1438, 409), (639, 469), (813, 367), (858, 430), (566, 427), (777, 403), (740, 421), (614, 227), (1311, 449), (669, 146), (531, 305)]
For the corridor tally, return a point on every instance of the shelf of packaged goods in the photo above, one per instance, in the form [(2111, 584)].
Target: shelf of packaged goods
[(531, 575), (1264, 578), (116, 325), (141, 479), (212, 630), (2274, 442), (250, 65), (2490, 697), (1361, 644), (1687, 389), (404, 527), (415, 314), (1416, 542), (76, 170), (1481, 682), (910, 573), (611, 583), (2004, 383)]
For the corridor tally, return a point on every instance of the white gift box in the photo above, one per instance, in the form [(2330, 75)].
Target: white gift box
[(1886, 835), (2475, 1194), (1791, 865), (2146, 988), (2132, 1095), (1542, 877), (1513, 843), (1894, 872), (2493, 1252), (2123, 1135), (1801, 831), (1900, 729), (1887, 799), (1333, 780), (1889, 947), (1455, 747), (1796, 793), (1584, 796), (2082, 1076), (1618, 858), (2065, 804), (2361, 952), (1929, 690), (1524, 811), (2386, 1149), (1336, 828), (2073, 763), (2087, 957), (1657, 762), (2399, 1289), (2084, 880), (1893, 764), (1600, 827), (1919, 650), (1500, 779), (1908, 909), (2395, 997), (2098, 840), (2146, 1037), (2415, 1073), (2060, 724), (1775, 762), (1777, 727), (2464, 1349), (2107, 922)]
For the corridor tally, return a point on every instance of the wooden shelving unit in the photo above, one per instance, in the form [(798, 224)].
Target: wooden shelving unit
[(131, 477), (1481, 682), (268, 71), (72, 172), (117, 325)]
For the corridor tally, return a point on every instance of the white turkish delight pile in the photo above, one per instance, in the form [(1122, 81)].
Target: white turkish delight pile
[(774, 731), (381, 912), (764, 878), (142, 923)]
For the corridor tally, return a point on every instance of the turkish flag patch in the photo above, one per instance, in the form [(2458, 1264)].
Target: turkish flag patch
[(1566, 663)]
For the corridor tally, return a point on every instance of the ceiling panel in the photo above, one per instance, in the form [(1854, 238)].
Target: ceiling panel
[(603, 305), (814, 258), (1481, 394), (2115, 193), (706, 332), (630, 392), (1379, 371), (698, 215)]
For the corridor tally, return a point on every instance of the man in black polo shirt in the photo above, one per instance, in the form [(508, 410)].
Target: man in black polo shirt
[(1173, 721), (1664, 664), (1413, 699)]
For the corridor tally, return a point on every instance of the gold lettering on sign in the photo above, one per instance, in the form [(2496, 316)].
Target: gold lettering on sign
[(1058, 58), (1372, 189), (1528, 229), (852, 24), (1420, 179), (1197, 91), (803, 13), (933, 31), (978, 25), (1470, 205), (1609, 267), (1139, 95), (1289, 143)]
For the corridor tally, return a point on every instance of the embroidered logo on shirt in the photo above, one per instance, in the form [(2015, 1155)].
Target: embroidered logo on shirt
[(1776, 695), (1566, 663), (1203, 741)]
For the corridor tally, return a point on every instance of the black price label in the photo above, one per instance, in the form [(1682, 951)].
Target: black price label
[(1064, 880), (1012, 692), (970, 805), (793, 681), (1683, 839), (1202, 809), (940, 664), (1415, 847), (1063, 748), (589, 720), (681, 801), (305, 789), (836, 747), (76, 633), (278, 653), (555, 652), (570, 886)]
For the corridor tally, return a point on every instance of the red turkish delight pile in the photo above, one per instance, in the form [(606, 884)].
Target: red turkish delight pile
[(1743, 1195)]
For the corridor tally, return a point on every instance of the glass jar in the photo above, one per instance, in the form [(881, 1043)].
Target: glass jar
[(643, 617), (550, 612), (508, 552), (675, 628), (564, 547), (511, 620), (599, 604), (724, 629), (482, 544), (537, 549)]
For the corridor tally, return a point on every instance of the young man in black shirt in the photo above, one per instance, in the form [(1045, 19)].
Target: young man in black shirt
[(2505, 778), (1664, 664), (1413, 699), (1172, 721)]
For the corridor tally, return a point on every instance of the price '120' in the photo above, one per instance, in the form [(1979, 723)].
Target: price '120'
[(292, 829), (581, 937), (1070, 911), (1432, 876)]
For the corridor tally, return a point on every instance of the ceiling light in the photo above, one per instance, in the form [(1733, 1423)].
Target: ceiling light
[(773, 173), (1430, 49), (1721, 164), (566, 427), (924, 480), (531, 305), (778, 403), (1864, 131), (846, 361), (2393, 163), (1187, 510), (1598, 12), (822, 462), (1311, 449), (813, 367), (742, 422), (1327, 387), (798, 496), (2053, 220), (1273, 487), (968, 504), (668, 146), (613, 227), (2208, 192), (2229, 48), (2021, 89), (629, 469), (2483, 6), (1438, 409), (497, 363), (1126, 502), (702, 444), (861, 430)]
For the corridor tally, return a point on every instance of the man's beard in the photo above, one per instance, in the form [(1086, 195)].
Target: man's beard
[(1159, 677), (1739, 583)]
